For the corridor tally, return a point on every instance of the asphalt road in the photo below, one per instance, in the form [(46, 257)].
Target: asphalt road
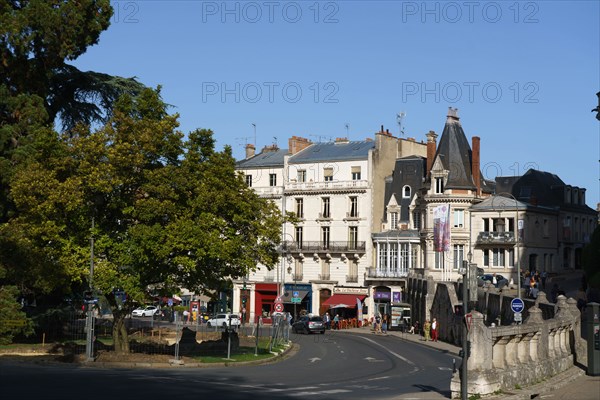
[(337, 365)]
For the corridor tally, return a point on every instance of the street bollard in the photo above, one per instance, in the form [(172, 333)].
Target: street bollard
[(593, 338)]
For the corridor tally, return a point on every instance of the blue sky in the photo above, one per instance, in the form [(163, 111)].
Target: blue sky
[(523, 74)]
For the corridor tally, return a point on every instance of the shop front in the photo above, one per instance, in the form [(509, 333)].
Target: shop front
[(382, 297), (347, 304), (264, 300), (297, 299)]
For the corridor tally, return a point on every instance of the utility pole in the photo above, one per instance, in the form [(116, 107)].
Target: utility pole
[(89, 302)]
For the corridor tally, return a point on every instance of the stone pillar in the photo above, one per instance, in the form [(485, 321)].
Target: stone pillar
[(499, 353), (511, 352), (533, 346), (481, 344)]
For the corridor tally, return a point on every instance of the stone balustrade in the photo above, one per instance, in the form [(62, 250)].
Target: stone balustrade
[(505, 357)]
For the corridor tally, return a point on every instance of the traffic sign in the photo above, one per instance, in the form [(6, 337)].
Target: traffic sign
[(296, 294), (517, 305), (518, 317), (278, 307), (296, 300)]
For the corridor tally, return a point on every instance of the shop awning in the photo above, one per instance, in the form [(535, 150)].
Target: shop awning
[(287, 297), (343, 300)]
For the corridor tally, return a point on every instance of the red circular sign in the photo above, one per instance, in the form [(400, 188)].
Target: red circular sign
[(278, 307)]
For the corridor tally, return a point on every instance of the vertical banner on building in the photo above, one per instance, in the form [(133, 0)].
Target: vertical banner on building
[(521, 225), (441, 228), (359, 309)]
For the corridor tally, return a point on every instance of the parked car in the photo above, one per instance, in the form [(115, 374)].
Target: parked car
[(149, 311), (501, 281), (224, 320), (308, 324)]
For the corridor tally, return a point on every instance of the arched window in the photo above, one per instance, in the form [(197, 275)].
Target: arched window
[(406, 191)]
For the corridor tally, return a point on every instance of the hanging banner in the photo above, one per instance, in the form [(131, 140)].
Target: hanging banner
[(441, 228)]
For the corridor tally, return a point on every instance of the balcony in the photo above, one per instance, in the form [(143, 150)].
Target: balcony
[(352, 216), (268, 191), (297, 277), (321, 247), (324, 277), (496, 238), (314, 186), (269, 278), (375, 273), (351, 278), (324, 216)]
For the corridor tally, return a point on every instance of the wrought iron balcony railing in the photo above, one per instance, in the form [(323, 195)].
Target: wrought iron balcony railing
[(351, 278), (496, 238), (324, 277), (386, 273), (317, 247)]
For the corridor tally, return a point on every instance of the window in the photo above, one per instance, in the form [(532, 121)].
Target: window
[(510, 257), (459, 252), (406, 192), (249, 180), (272, 179), (353, 206), (300, 208), (383, 256), (353, 237), (394, 220), (325, 237), (299, 234), (438, 259), (439, 185), (355, 173), (459, 218), (328, 174), (404, 248), (417, 220), (301, 175), (497, 257), (326, 208), (393, 257), (486, 258)]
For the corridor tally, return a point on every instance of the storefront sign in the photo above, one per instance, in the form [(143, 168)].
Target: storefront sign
[(382, 295), (347, 290)]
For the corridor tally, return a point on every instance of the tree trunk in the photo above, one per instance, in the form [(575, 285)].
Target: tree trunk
[(119, 333)]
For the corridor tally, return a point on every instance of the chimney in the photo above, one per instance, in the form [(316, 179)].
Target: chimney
[(452, 115), (250, 150), (431, 137), (475, 164), (297, 143), (270, 149)]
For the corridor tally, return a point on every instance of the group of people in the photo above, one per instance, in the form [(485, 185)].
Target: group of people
[(381, 323), (533, 282), (431, 330)]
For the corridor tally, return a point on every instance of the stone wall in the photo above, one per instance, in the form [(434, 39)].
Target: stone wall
[(504, 355)]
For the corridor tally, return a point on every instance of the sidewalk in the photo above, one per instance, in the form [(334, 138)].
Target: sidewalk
[(573, 384)]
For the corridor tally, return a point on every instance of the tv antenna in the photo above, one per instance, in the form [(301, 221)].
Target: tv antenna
[(399, 117), (254, 126), (320, 138), (347, 126)]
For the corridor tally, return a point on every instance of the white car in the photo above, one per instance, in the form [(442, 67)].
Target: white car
[(148, 311), (224, 320)]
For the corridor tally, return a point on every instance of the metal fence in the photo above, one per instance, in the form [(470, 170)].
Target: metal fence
[(176, 339)]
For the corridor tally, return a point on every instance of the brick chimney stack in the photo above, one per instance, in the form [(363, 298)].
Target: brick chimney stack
[(475, 164), (431, 147), (297, 143), (250, 150)]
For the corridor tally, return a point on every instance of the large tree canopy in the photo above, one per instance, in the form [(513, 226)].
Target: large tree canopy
[(38, 37), (167, 213)]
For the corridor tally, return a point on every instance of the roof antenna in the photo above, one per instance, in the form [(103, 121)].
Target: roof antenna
[(254, 126), (347, 125), (399, 117)]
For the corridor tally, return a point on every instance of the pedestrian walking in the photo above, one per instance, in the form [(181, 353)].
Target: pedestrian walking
[(327, 320), (186, 316), (384, 324), (426, 329), (434, 330), (336, 321), (377, 324)]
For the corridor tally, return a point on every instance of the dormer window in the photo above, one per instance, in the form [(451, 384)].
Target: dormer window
[(406, 192), (439, 185), (393, 220)]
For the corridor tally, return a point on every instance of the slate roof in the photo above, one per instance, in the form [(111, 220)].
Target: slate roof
[(455, 154), (539, 188), (410, 171), (264, 159), (334, 151)]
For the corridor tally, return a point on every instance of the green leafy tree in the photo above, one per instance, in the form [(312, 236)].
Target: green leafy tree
[(167, 212), (38, 38), (12, 320)]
